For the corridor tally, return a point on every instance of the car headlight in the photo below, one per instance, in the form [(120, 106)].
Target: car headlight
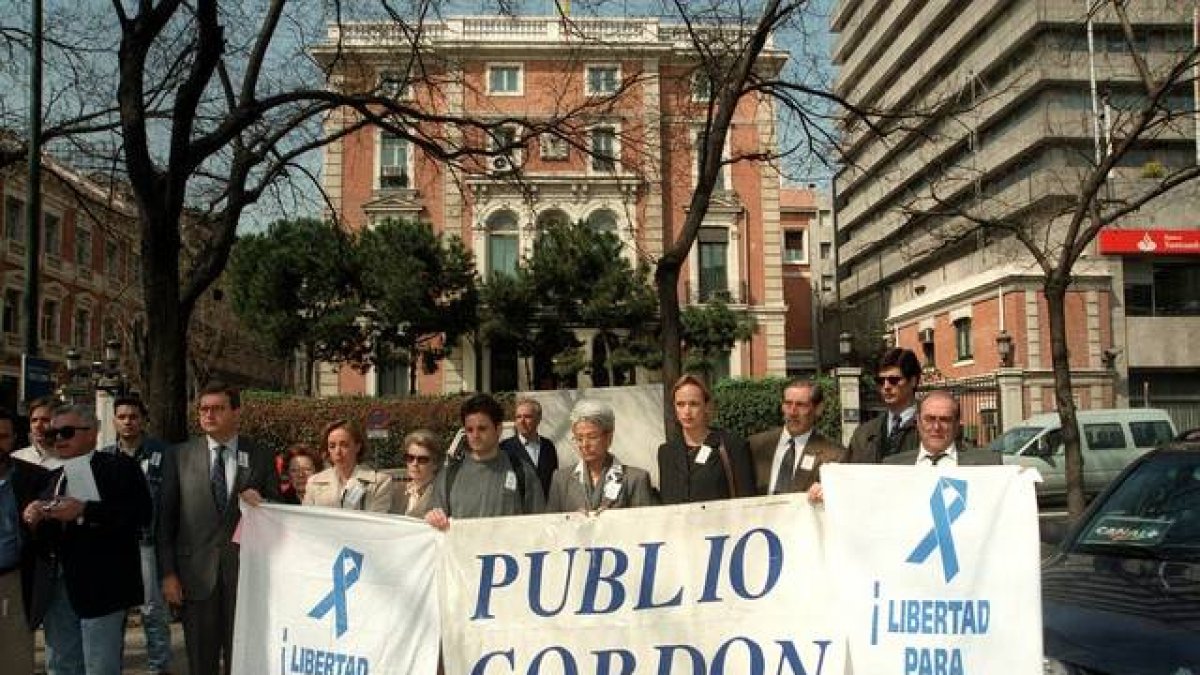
[(1055, 667)]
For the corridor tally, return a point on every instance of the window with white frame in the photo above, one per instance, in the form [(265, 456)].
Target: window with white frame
[(51, 235), (394, 155), (713, 252), (702, 87), (604, 148), (395, 85), (83, 247), (503, 251), (50, 309), (962, 339), (14, 219), (82, 330), (553, 147), (701, 139), (603, 79), (794, 247), (505, 79), (12, 311)]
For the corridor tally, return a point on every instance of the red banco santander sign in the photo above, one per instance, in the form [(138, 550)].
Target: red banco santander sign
[(1150, 242)]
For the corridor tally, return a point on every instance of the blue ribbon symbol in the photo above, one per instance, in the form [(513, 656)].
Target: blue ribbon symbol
[(944, 513), (347, 566)]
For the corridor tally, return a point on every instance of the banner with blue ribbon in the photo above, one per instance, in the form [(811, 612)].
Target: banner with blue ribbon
[(347, 567), (945, 512)]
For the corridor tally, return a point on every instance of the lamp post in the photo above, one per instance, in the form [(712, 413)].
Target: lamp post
[(1004, 348), (845, 347), (848, 377)]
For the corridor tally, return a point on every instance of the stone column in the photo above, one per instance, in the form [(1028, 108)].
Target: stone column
[(1012, 398), (848, 379)]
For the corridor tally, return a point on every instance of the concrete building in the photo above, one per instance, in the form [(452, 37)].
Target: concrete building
[(1011, 123), (90, 286), (635, 182)]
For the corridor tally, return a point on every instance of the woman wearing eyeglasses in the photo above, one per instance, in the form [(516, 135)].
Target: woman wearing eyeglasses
[(348, 483), (599, 480), (303, 461), (423, 458)]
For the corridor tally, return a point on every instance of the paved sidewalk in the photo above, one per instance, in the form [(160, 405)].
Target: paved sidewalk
[(135, 649)]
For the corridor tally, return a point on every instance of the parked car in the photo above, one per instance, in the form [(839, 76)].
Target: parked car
[(1121, 594), (1110, 439)]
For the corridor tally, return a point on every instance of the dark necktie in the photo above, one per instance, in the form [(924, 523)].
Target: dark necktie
[(219, 488), (934, 459), (895, 427), (787, 467)]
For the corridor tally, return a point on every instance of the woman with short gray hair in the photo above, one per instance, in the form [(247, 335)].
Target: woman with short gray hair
[(599, 480)]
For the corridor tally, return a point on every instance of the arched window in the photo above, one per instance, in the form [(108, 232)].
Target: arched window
[(603, 220), (552, 218), (502, 249)]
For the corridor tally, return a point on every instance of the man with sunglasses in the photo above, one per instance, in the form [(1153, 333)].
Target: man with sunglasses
[(90, 520), (129, 414), (898, 375)]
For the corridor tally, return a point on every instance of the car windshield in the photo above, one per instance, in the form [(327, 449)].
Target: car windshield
[(1011, 442), (1154, 512)]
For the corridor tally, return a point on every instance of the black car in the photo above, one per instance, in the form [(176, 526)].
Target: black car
[(1121, 596)]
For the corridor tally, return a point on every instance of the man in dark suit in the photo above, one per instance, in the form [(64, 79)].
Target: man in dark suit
[(198, 560), (527, 445), (789, 458), (21, 483), (898, 375), (938, 425), (90, 520)]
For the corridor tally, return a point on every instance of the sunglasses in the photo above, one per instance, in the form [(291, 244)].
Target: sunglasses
[(419, 459), (893, 380), (66, 433)]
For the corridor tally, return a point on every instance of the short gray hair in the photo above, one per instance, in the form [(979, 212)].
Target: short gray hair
[(86, 413), (594, 412)]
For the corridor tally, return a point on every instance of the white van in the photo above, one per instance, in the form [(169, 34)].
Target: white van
[(1110, 439)]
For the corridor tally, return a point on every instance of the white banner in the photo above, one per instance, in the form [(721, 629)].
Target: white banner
[(937, 570), (735, 588), (335, 592)]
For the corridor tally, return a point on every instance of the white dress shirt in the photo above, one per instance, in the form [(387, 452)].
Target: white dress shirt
[(924, 457), (231, 459), (781, 448), (905, 415), (533, 447), (34, 455)]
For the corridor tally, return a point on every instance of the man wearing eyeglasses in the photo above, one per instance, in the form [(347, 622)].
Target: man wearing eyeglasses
[(129, 414), (90, 521), (898, 375), (197, 558), (937, 426)]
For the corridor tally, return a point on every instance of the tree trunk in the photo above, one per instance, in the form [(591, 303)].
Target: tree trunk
[(309, 363), (666, 285), (1056, 305), (166, 379)]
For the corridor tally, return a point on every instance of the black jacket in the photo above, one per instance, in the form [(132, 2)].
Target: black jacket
[(682, 480), (547, 458), (29, 482)]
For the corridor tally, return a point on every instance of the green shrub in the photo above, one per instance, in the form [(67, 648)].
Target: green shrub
[(279, 421), (750, 406)]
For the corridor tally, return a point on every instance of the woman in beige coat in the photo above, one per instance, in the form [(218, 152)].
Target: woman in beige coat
[(423, 459), (347, 483)]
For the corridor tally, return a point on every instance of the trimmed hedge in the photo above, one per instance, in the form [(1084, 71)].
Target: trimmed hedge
[(278, 420), (750, 406)]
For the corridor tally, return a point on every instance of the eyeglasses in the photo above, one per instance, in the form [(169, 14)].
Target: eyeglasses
[(936, 421), (419, 459), (893, 380), (66, 433)]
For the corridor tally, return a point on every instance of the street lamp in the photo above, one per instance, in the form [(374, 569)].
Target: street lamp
[(845, 346), (1004, 348)]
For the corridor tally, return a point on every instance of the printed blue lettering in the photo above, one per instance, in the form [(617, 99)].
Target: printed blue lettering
[(791, 656), (604, 659), (482, 663), (666, 659), (488, 582), (595, 576), (932, 661), (649, 574), (537, 561), (568, 661), (774, 558), (716, 554), (753, 651)]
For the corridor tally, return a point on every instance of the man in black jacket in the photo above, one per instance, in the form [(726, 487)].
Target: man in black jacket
[(21, 482), (529, 446), (90, 521)]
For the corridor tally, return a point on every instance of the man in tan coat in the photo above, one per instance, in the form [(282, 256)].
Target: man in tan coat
[(789, 458)]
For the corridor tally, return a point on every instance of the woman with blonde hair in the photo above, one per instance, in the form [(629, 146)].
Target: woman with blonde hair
[(348, 483), (703, 463)]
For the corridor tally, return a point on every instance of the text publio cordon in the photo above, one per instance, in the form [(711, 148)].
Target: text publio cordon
[(609, 580)]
